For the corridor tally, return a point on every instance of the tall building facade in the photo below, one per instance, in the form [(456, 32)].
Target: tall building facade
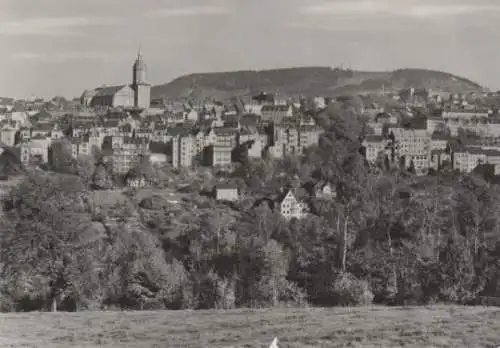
[(142, 89)]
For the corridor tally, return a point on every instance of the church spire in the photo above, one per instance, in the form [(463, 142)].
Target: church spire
[(139, 53), (139, 69)]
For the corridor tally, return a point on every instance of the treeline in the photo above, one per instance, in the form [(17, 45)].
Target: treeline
[(389, 237)]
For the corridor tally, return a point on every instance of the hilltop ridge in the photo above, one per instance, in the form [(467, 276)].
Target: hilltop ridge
[(312, 81)]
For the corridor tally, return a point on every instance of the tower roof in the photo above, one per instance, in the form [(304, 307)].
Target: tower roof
[(139, 62)]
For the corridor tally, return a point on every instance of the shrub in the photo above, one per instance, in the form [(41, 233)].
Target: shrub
[(347, 290), (293, 295)]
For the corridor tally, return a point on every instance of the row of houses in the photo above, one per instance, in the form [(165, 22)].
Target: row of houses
[(218, 142), (424, 151)]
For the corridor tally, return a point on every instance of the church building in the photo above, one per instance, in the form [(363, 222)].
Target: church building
[(135, 95)]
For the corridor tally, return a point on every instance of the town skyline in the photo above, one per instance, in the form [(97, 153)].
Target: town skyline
[(58, 47)]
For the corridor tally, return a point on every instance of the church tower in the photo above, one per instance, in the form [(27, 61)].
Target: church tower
[(142, 89)]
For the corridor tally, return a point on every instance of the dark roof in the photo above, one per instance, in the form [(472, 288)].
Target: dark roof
[(226, 186), (108, 91), (249, 120), (125, 128), (42, 127), (178, 131), (225, 131), (275, 108), (111, 124), (439, 136)]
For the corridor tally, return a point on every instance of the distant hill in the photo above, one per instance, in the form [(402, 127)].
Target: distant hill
[(309, 81)]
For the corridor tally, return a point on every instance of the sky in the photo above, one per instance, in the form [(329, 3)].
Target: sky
[(62, 47)]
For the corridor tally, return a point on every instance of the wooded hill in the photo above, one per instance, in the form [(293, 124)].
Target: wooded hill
[(324, 81)]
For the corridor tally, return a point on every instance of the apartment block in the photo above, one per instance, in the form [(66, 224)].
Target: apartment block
[(183, 150), (127, 152)]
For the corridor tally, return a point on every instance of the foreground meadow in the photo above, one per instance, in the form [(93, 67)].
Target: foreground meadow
[(357, 327)]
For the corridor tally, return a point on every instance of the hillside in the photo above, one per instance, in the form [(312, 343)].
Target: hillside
[(315, 327), (308, 81)]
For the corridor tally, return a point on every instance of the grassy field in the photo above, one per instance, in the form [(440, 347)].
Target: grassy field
[(375, 327)]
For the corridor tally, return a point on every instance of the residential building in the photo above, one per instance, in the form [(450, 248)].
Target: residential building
[(308, 136), (439, 141), (435, 123), (35, 150), (320, 190), (57, 132), (42, 129), (276, 113), (218, 156), (81, 146), (127, 152), (414, 145), (465, 160), (8, 135), (290, 207), (226, 192), (253, 143), (183, 149), (439, 158), (225, 136), (374, 145)]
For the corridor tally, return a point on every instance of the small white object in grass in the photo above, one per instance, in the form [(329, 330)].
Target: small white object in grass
[(275, 343)]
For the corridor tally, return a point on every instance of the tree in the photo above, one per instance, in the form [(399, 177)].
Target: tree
[(142, 169), (61, 157), (45, 235), (101, 179), (85, 169), (136, 271)]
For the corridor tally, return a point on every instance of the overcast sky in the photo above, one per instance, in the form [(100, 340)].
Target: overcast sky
[(65, 46)]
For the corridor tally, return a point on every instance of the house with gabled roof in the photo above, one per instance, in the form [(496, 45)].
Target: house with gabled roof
[(290, 206)]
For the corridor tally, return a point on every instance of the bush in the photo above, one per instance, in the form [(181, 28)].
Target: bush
[(293, 295), (347, 290)]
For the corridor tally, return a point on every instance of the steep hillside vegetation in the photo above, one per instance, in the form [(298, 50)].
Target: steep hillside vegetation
[(308, 81)]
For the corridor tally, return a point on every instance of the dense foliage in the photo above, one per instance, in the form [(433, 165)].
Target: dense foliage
[(389, 237)]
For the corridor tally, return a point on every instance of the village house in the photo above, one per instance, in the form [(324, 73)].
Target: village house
[(81, 146), (226, 192), (219, 157), (41, 129), (374, 145), (8, 134), (35, 150), (290, 206)]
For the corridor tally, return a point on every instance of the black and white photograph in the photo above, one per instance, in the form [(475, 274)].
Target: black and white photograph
[(249, 173)]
